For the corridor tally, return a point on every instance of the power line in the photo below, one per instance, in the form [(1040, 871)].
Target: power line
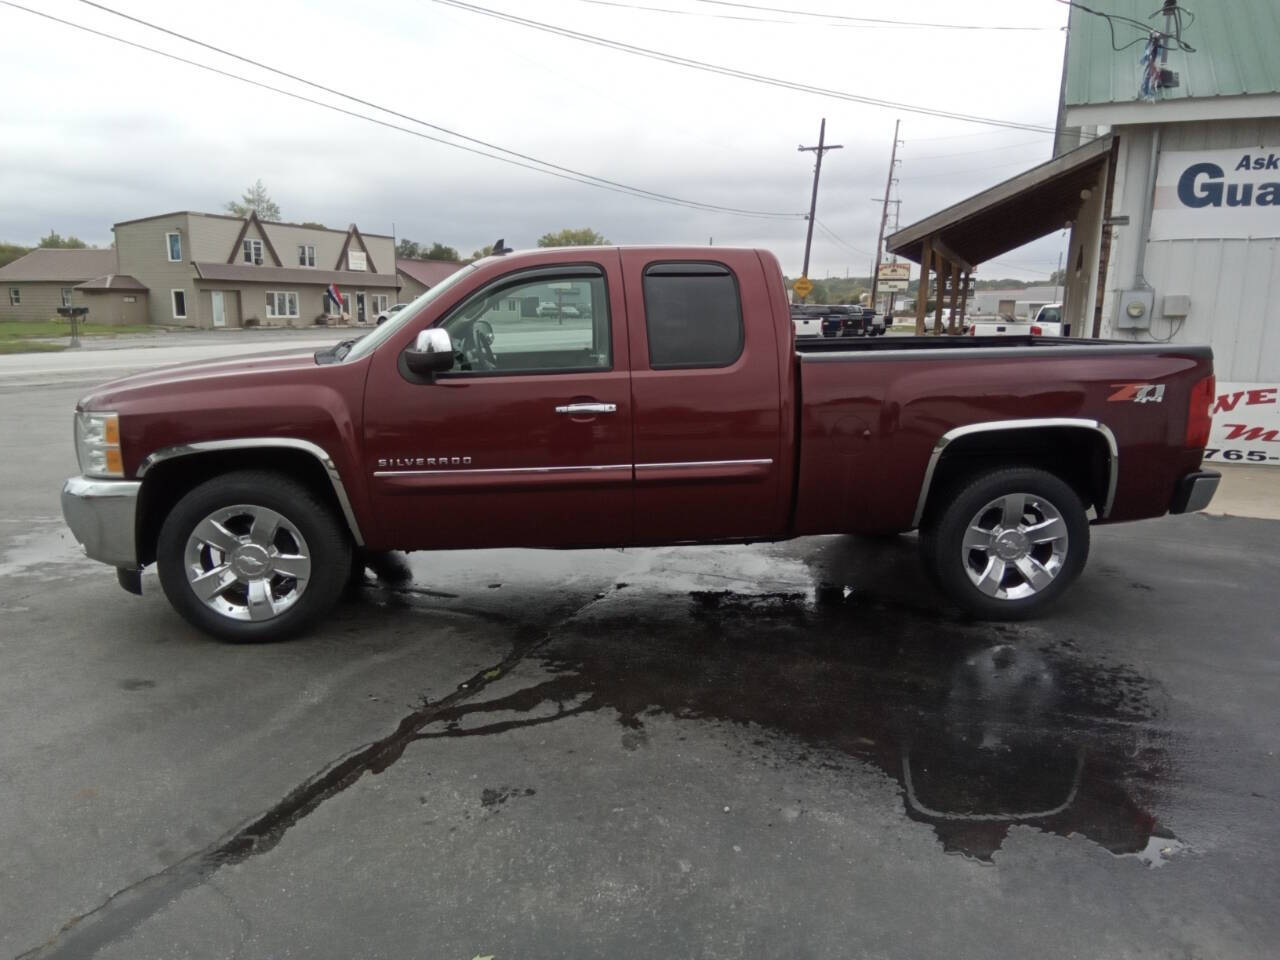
[(966, 153), (831, 19), (570, 172), (1146, 29), (871, 20), (702, 65), (840, 240)]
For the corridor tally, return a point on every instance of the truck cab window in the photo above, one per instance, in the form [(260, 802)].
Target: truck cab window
[(547, 325), (693, 315)]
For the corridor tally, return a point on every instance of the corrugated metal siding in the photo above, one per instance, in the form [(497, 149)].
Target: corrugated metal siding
[(1235, 52), (1234, 285)]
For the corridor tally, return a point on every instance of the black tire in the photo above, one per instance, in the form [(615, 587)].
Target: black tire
[(328, 545), (958, 510)]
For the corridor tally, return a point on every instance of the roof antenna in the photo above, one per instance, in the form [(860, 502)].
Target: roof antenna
[(500, 247)]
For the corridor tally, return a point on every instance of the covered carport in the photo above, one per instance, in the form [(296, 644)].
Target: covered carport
[(1071, 190)]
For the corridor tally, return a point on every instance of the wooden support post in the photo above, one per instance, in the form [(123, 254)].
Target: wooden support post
[(955, 298), (964, 300), (940, 271), (922, 294)]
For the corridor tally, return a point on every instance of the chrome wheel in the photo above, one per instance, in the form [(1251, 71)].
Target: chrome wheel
[(247, 562), (1015, 546)]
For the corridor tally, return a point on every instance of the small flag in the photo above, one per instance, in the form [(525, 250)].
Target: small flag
[(334, 294)]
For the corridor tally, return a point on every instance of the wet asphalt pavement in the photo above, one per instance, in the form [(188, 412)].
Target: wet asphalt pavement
[(791, 750)]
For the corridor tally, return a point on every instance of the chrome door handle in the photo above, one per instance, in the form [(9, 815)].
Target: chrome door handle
[(577, 409)]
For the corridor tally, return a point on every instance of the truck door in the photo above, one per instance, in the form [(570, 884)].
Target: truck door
[(527, 441), (705, 396)]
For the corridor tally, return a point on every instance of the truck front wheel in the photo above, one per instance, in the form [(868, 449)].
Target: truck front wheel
[(252, 556), (1005, 544)]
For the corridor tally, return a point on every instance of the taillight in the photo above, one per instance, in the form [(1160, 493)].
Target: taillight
[(973, 329), (1036, 331), (1200, 412)]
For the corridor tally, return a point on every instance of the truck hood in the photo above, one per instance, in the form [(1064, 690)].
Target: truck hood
[(232, 372)]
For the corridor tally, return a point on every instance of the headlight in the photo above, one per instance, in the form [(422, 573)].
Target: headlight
[(98, 444)]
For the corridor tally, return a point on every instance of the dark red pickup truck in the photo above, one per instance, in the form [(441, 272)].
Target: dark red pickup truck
[(636, 396)]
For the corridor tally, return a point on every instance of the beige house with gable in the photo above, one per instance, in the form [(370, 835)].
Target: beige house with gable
[(217, 270)]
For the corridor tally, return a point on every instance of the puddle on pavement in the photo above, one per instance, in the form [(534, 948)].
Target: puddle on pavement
[(983, 726), (24, 553)]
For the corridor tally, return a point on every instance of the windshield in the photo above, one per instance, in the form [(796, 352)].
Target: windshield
[(366, 345)]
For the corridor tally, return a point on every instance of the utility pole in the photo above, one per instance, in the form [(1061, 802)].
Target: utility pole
[(888, 310), (820, 149), (884, 214), (1057, 278)]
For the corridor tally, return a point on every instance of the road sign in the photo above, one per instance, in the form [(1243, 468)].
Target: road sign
[(803, 287), (893, 277)]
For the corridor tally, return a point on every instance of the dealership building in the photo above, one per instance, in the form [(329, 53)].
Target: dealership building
[(1169, 180)]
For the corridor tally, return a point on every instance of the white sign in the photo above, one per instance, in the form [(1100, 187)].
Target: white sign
[(893, 277), (1246, 424), (356, 260), (1217, 193)]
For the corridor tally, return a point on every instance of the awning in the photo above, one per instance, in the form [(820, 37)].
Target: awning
[(1004, 217), (249, 273)]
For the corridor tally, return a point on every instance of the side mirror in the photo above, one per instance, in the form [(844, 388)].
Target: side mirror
[(431, 353)]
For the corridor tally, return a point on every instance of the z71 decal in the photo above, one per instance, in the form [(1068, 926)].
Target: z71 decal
[(1137, 393)]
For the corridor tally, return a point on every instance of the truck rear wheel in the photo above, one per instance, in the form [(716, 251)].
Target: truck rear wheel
[(1005, 544), (252, 556)]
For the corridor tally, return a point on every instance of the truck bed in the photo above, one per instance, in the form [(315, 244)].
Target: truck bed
[(952, 343), (886, 407)]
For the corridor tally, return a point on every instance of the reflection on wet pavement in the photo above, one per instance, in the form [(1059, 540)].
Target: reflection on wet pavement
[(983, 726)]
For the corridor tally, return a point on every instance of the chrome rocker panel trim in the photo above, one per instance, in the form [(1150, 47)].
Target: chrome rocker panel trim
[(1113, 470)]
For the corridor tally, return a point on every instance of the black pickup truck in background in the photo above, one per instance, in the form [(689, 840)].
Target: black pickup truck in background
[(835, 320)]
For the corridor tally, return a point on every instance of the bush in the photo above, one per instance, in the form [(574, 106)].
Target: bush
[(322, 320), (252, 322)]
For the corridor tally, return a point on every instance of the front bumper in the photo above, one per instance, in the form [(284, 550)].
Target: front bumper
[(1195, 490), (102, 514)]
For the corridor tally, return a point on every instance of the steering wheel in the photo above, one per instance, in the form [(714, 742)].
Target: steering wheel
[(482, 344)]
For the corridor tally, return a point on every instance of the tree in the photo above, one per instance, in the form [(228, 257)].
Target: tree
[(484, 251), (1057, 278), (58, 242), (255, 200), (568, 237), (819, 293), (313, 225), (407, 250), (10, 252), (439, 251)]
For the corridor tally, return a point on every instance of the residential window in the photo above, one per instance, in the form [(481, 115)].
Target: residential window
[(568, 331), (693, 315), (15, 296), (337, 310), (66, 296), (174, 243), (379, 302), (306, 255), (253, 252), (179, 304), (282, 303)]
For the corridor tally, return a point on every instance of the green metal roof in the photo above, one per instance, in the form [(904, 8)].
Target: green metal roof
[(1237, 51)]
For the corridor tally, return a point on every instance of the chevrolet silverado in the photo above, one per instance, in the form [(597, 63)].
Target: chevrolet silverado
[(663, 401)]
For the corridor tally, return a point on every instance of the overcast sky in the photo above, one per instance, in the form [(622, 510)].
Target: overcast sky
[(95, 131)]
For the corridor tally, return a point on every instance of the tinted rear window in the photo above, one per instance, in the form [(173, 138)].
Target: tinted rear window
[(693, 315)]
